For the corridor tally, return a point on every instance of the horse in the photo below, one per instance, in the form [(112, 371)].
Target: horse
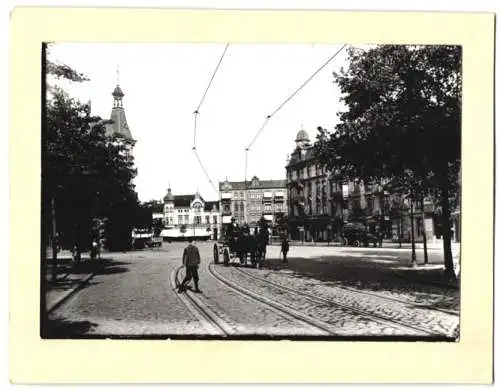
[(262, 240), (246, 244)]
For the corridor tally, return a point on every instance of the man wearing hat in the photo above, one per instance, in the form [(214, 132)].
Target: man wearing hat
[(191, 260)]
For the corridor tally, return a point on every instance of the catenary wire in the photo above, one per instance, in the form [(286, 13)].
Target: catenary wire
[(295, 93), (213, 75), (197, 112), (285, 102), (204, 170)]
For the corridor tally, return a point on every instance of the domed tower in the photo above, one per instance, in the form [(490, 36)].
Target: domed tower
[(302, 140), (168, 207)]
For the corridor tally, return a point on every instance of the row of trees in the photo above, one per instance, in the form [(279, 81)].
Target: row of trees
[(86, 177), (402, 124)]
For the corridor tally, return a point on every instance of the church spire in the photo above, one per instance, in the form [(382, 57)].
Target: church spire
[(118, 125)]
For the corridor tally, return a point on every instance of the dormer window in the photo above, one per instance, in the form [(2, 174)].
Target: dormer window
[(255, 182)]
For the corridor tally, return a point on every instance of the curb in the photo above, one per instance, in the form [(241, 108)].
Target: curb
[(70, 293)]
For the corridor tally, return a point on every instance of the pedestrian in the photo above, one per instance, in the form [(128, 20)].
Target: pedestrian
[(285, 246), (191, 260), (380, 238)]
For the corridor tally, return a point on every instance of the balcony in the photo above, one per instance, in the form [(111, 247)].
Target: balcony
[(226, 196), (268, 196)]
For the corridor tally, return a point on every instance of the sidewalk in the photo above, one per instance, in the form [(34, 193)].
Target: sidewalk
[(370, 266), (69, 280), (385, 244)]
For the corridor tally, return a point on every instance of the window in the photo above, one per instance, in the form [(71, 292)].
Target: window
[(207, 220), (236, 209), (197, 219), (215, 219), (242, 207)]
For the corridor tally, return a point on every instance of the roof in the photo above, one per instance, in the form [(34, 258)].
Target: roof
[(254, 183), (296, 157), (302, 136), (183, 200), (169, 196), (118, 92), (118, 124)]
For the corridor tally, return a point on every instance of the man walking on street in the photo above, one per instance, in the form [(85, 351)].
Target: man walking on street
[(191, 260), (285, 246)]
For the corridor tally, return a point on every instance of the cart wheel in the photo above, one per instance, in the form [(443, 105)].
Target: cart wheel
[(345, 242), (357, 243), (226, 257), (216, 254)]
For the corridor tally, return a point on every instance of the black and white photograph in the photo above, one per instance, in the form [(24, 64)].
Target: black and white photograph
[(238, 191)]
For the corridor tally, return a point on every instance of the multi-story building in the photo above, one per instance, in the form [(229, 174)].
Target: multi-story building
[(251, 200), (320, 202), (190, 215)]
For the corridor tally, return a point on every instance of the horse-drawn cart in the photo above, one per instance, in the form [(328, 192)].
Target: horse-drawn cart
[(241, 245)]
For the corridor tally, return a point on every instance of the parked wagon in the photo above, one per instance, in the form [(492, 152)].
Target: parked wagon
[(355, 234)]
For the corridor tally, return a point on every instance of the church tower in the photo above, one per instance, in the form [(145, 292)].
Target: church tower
[(119, 124)]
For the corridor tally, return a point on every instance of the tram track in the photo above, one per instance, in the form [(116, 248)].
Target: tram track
[(215, 325), (276, 307), (383, 297), (211, 322), (333, 303)]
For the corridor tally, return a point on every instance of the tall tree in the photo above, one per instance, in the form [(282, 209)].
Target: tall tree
[(404, 114), (85, 175)]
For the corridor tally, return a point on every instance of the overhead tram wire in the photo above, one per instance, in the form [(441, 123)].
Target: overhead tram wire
[(197, 112), (285, 102), (205, 171)]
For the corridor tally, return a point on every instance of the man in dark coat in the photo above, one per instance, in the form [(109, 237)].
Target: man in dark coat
[(285, 246), (191, 260)]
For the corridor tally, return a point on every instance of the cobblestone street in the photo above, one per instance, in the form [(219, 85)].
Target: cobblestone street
[(342, 292)]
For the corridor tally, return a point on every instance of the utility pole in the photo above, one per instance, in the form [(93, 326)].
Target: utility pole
[(413, 255), (54, 241), (426, 257)]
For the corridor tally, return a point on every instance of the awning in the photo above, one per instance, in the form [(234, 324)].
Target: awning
[(268, 217), (226, 196), (226, 219), (142, 236), (279, 194), (268, 194), (176, 233)]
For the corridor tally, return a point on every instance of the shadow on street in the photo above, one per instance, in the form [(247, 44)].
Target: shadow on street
[(60, 328), (372, 276), (103, 266)]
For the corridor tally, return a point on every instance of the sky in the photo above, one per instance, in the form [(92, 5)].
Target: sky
[(164, 84)]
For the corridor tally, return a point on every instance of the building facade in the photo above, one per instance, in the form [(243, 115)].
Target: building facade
[(320, 203), (249, 201), (190, 215)]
